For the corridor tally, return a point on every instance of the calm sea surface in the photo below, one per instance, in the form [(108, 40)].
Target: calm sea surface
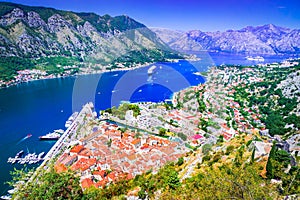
[(39, 107)]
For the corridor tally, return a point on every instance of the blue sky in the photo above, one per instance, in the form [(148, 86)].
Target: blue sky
[(205, 15)]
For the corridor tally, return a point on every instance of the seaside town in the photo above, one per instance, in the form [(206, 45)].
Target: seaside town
[(137, 138), (162, 132), (156, 100)]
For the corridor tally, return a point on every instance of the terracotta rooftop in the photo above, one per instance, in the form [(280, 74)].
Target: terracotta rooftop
[(86, 183), (77, 149), (136, 141), (83, 164)]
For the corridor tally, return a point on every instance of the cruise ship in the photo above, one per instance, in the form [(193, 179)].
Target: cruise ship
[(52, 136), (256, 58)]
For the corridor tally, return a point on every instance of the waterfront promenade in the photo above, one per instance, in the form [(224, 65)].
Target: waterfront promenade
[(64, 140)]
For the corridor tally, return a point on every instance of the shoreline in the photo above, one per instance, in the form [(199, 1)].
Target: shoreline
[(89, 73), (192, 59), (100, 71)]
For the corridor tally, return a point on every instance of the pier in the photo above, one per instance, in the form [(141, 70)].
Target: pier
[(66, 138), (62, 142)]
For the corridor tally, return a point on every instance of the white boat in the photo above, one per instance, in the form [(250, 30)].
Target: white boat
[(256, 58), (68, 124), (5, 197), (151, 69), (60, 131), (12, 191), (50, 136), (41, 155), (197, 73)]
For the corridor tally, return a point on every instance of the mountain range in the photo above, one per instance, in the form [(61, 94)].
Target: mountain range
[(53, 40), (266, 39), (33, 32)]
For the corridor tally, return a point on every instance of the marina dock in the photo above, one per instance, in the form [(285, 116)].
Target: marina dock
[(30, 158), (62, 142)]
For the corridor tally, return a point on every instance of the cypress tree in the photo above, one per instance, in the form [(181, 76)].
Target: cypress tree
[(253, 156), (269, 167)]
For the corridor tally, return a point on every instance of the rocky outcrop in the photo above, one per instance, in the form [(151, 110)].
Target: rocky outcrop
[(34, 20), (35, 31), (12, 17)]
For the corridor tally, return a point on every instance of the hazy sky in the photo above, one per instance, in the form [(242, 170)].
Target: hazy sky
[(208, 15)]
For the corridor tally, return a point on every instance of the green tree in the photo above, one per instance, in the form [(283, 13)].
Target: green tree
[(229, 149), (180, 161), (142, 194), (162, 132), (224, 182), (269, 166), (51, 185), (173, 181), (206, 148), (253, 155), (220, 139)]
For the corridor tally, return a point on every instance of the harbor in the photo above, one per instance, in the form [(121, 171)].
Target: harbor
[(40, 120), (33, 158), (30, 158), (63, 141)]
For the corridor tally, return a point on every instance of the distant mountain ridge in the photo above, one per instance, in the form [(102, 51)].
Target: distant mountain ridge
[(34, 32), (267, 39)]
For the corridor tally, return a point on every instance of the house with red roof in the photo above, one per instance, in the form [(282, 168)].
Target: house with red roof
[(87, 183), (85, 153), (76, 149), (99, 174), (226, 135), (136, 142)]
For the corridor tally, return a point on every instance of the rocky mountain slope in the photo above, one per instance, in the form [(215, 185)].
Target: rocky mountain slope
[(33, 32), (267, 39)]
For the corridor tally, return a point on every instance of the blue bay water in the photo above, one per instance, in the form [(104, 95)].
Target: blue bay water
[(41, 106)]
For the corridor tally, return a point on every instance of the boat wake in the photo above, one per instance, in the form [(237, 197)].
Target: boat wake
[(23, 139)]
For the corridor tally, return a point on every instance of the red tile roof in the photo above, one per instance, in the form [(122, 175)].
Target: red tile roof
[(84, 164), (77, 149), (86, 183), (60, 168), (136, 141), (101, 173), (85, 152)]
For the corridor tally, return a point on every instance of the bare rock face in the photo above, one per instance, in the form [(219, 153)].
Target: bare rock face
[(29, 45), (57, 22), (34, 32), (12, 17), (34, 20), (87, 29)]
